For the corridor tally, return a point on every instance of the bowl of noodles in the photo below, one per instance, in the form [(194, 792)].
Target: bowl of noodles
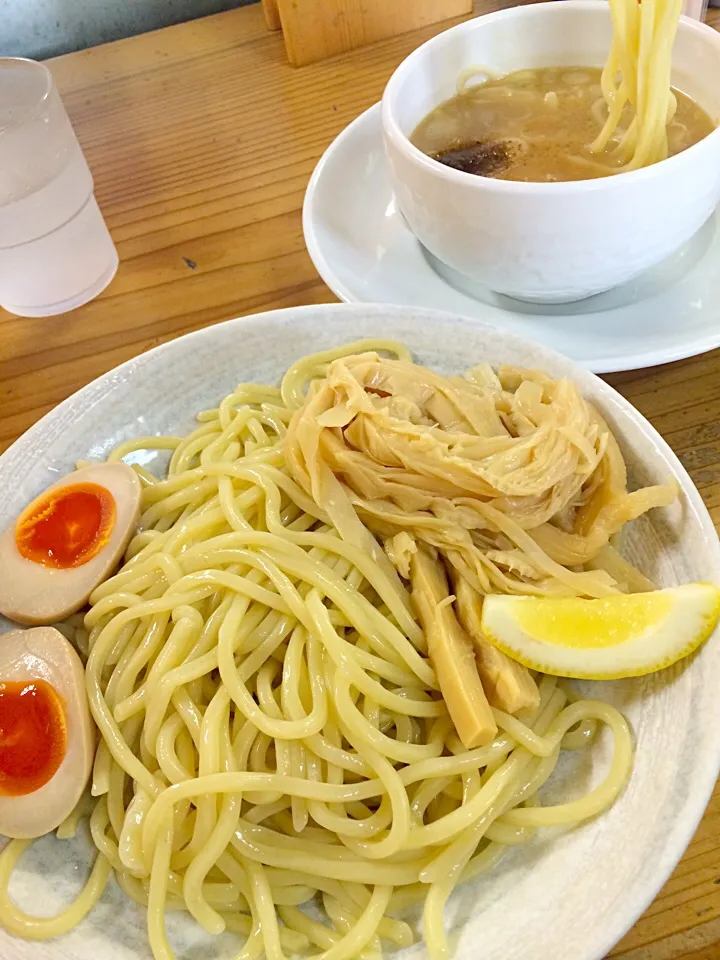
[(556, 150), (277, 772)]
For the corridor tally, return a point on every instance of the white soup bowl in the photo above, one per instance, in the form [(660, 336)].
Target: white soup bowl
[(548, 242)]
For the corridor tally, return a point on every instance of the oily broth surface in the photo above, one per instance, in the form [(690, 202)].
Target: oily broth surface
[(547, 117)]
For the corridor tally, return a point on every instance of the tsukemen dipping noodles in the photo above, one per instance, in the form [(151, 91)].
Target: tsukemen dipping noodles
[(573, 122)]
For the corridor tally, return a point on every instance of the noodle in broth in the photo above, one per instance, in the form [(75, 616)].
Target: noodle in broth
[(553, 124), (574, 123)]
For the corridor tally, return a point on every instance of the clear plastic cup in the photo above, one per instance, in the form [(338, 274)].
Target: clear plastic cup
[(695, 9), (55, 251)]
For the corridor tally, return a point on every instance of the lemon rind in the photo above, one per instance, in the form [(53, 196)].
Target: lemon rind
[(710, 617)]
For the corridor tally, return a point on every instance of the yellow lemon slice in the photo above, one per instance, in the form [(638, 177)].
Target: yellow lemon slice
[(618, 636)]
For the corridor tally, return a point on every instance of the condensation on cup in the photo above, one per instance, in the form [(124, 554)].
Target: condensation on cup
[(55, 251)]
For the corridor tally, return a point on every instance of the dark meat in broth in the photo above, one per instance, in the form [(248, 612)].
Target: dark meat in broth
[(535, 125)]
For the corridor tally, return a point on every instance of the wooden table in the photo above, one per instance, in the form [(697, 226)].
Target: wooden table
[(202, 139)]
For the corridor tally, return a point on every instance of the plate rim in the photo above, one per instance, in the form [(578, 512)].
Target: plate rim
[(597, 365), (693, 811)]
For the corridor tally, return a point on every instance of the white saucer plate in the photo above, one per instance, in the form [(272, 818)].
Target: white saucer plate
[(364, 251)]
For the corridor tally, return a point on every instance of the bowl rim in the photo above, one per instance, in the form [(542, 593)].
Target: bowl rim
[(662, 169)]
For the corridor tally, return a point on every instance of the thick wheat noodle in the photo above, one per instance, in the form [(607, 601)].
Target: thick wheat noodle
[(641, 55), (271, 730)]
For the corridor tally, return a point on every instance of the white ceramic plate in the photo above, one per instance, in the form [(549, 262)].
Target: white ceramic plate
[(565, 896), (365, 253)]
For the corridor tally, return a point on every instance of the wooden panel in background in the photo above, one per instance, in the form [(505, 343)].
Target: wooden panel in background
[(272, 14), (316, 29)]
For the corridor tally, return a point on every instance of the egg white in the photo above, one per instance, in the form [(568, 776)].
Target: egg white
[(34, 594), (42, 653)]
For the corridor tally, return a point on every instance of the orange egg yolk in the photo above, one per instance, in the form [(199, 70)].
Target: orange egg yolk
[(33, 736), (66, 527)]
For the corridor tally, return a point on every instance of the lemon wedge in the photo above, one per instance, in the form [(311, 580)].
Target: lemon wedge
[(625, 635)]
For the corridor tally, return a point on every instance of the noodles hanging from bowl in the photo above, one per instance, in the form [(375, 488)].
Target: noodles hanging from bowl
[(641, 55), (287, 750), (572, 122)]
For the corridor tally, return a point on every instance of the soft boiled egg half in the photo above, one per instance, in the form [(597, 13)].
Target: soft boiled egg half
[(47, 740), (66, 542)]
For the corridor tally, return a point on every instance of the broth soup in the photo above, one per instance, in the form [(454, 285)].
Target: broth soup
[(537, 125)]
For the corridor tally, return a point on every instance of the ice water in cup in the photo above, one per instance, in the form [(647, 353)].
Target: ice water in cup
[(55, 251)]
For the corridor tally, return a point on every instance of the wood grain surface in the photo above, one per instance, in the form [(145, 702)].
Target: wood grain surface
[(202, 138)]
